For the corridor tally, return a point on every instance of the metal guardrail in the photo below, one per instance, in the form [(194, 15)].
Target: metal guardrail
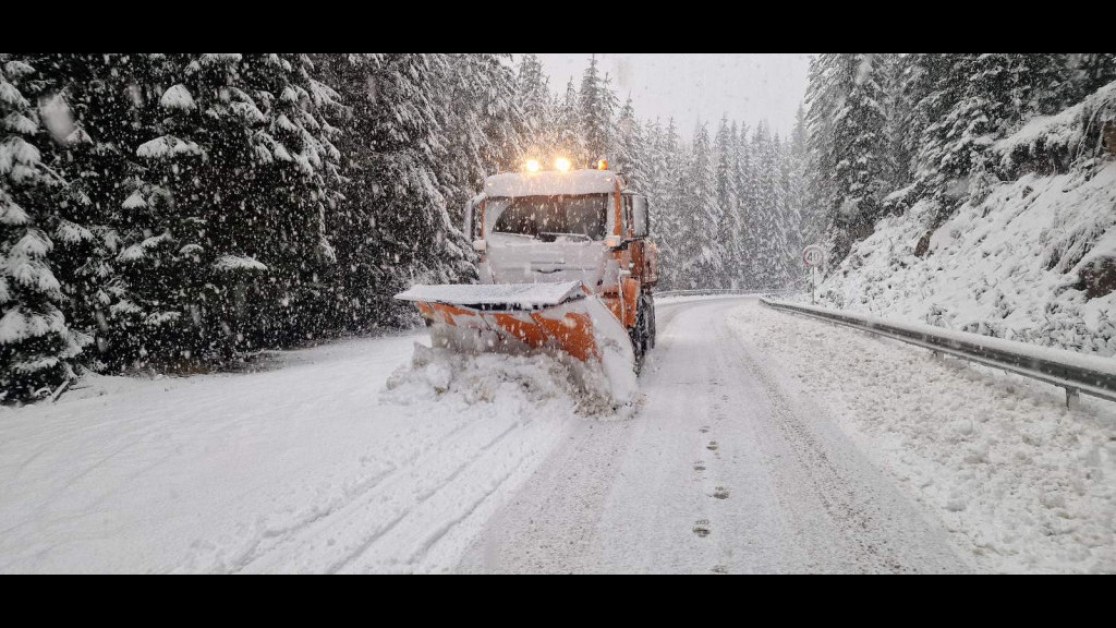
[(726, 291), (1077, 373)]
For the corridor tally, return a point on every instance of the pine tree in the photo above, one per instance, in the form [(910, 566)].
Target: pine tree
[(630, 152), (1088, 73), (669, 215), (745, 241), (484, 92), (861, 170), (811, 224), (597, 105), (37, 346), (702, 248), (896, 109), (532, 98), (730, 221), (90, 105), (205, 182), (396, 227), (847, 122), (978, 99), (790, 213), (570, 141), (801, 225), (653, 183), (765, 211)]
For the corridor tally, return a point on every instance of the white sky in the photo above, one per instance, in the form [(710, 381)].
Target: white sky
[(693, 87)]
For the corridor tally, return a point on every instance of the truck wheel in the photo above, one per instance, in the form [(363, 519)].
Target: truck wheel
[(639, 337), (650, 309)]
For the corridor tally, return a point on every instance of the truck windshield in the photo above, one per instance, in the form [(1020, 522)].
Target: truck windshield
[(551, 217)]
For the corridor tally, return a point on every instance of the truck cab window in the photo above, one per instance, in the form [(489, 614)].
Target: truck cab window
[(551, 217)]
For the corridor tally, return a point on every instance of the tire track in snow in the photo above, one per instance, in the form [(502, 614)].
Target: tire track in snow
[(333, 541), (420, 499)]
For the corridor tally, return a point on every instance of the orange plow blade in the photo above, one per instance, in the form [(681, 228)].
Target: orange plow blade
[(564, 319)]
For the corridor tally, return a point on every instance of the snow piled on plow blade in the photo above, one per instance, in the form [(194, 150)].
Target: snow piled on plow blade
[(507, 296), (506, 383), (559, 319)]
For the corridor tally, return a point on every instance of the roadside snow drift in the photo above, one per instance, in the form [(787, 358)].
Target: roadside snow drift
[(1022, 483)]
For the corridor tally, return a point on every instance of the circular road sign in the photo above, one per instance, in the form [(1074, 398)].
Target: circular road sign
[(813, 255)]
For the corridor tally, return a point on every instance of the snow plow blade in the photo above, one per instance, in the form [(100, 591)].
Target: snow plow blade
[(564, 319)]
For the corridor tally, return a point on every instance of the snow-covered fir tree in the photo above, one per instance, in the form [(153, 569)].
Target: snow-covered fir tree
[(629, 154), (730, 225), (570, 141), (37, 346), (597, 106), (533, 99), (703, 257)]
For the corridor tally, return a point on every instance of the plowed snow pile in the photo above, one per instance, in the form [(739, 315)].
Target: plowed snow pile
[(522, 384)]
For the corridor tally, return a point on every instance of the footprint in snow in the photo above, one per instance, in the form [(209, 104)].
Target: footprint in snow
[(699, 465), (721, 493), (712, 446), (704, 429), (701, 527)]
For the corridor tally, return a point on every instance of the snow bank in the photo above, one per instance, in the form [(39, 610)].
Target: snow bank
[(1022, 483)]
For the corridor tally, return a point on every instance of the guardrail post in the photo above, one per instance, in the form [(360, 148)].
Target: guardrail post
[(1073, 398)]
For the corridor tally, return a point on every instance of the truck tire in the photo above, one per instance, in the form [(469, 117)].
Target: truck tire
[(643, 334), (638, 336)]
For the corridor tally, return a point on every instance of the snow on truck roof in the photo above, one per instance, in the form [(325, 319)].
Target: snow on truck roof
[(550, 183)]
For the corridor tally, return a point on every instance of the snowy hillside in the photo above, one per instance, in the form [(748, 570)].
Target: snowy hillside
[(1034, 260)]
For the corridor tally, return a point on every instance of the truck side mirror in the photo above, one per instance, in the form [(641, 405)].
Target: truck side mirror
[(641, 216), (473, 227)]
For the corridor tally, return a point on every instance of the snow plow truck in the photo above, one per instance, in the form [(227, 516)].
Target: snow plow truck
[(565, 267)]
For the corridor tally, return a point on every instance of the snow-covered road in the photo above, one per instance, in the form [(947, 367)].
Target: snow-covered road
[(721, 472), (766, 443)]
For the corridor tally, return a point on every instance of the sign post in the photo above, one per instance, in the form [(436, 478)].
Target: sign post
[(813, 256)]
